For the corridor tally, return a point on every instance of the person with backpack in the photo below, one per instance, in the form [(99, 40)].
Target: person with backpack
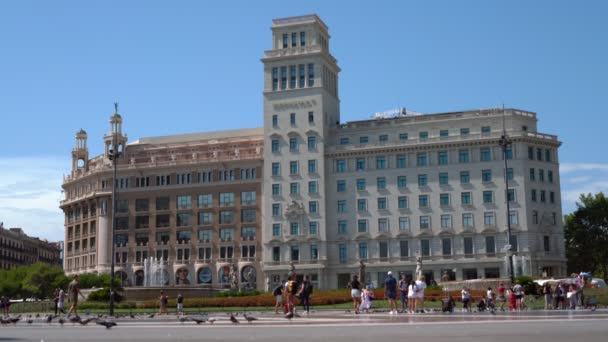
[(278, 295), (305, 293)]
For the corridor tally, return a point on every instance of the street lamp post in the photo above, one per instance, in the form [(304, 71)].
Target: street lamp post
[(504, 143), (113, 154)]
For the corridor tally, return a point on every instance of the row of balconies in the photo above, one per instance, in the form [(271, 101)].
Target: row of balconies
[(186, 242)]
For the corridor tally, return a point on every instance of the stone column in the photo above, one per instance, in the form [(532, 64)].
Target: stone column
[(104, 243)]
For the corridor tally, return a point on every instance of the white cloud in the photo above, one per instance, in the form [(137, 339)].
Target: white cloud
[(581, 178), (565, 168), (30, 192)]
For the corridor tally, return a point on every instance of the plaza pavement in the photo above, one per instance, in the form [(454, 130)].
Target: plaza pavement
[(538, 325)]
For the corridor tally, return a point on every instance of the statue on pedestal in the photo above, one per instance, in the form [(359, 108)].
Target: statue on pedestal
[(234, 278), (361, 272), (250, 279), (292, 271), (418, 266)]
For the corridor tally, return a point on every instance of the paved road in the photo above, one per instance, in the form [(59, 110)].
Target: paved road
[(336, 326)]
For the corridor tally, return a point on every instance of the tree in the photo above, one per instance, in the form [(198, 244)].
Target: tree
[(586, 234)]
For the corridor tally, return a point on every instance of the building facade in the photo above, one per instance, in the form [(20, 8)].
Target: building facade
[(19, 249), (327, 194)]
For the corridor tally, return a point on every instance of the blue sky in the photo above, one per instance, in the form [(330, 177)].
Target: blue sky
[(190, 66)]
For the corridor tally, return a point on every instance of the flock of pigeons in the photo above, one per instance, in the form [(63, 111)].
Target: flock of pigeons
[(107, 322)]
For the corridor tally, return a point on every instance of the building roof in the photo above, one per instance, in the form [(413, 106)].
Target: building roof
[(220, 136)]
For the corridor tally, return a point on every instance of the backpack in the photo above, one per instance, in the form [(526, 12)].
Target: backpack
[(277, 290), (308, 288), (292, 287)]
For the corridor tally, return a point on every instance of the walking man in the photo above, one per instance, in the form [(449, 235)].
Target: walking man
[(305, 292), (73, 292), (502, 299), (180, 304), (163, 301), (390, 292), (403, 284)]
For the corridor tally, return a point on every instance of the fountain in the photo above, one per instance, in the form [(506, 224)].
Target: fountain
[(155, 272)]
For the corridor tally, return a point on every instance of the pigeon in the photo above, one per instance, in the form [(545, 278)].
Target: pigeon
[(151, 316), (184, 319), (233, 319), (199, 320), (49, 319), (107, 324), (30, 321), (249, 318), (61, 321), (132, 316), (289, 315), (211, 320), (4, 321), (86, 321), (75, 319), (37, 315), (14, 320)]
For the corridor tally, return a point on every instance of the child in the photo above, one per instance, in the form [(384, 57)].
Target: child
[(481, 306), (366, 299), (447, 304)]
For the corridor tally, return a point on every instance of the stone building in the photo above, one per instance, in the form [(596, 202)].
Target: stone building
[(328, 194), (19, 249)]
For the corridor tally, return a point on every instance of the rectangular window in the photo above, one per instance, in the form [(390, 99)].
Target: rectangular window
[(444, 200), (276, 169), (511, 196), (446, 221), (401, 161), (464, 177), (546, 243), (403, 136), (382, 204), (342, 252), (380, 162), (551, 197), (467, 220), (276, 253), (488, 197), (363, 250), (442, 157), (276, 229), (489, 219), (293, 168), (312, 143), (465, 198), (444, 133), (363, 140), (362, 204), (361, 184), (486, 175), (311, 75), (204, 235), (294, 228), (548, 155), (446, 246), (485, 154), (283, 78), (285, 40), (292, 119), (535, 216), (292, 77), (422, 180), (313, 207), (443, 178), (294, 188), (302, 76), (425, 222), (404, 248), (360, 164), (274, 144), (513, 243), (340, 165), (490, 245), (464, 131), (341, 206), (312, 187), (381, 183), (530, 152), (421, 159), (313, 227), (513, 218), (342, 227), (275, 121), (541, 175), (205, 218), (423, 135), (383, 225), (463, 156), (314, 252), (311, 117), (312, 166), (402, 201), (341, 185), (404, 223), (543, 197), (276, 189), (486, 130), (383, 138), (226, 199), (533, 195), (141, 204), (532, 174), (293, 144), (276, 209), (468, 246), (510, 174), (509, 153), (423, 201), (226, 217), (550, 176), (162, 203), (401, 182), (295, 253), (344, 141), (302, 38), (362, 226), (383, 249), (425, 247), (275, 78)]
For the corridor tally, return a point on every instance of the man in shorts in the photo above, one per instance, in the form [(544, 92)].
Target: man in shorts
[(73, 292), (278, 295), (420, 285), (390, 292), (180, 304), (501, 298), (519, 294)]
